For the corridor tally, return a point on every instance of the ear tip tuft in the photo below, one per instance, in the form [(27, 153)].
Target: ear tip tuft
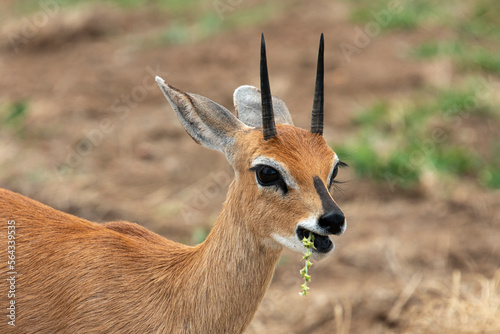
[(245, 89), (159, 80)]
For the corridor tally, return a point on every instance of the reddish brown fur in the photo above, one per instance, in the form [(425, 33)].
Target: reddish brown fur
[(75, 276), (305, 155)]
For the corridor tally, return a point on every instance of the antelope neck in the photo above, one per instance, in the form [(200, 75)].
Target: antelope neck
[(233, 270)]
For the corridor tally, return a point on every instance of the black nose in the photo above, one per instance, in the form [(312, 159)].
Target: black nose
[(333, 222)]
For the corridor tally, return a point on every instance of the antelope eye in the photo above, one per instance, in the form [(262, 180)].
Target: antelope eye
[(335, 172), (267, 175)]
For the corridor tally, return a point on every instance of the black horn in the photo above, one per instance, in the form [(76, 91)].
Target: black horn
[(318, 102), (268, 125)]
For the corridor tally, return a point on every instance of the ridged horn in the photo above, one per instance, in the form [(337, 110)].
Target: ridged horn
[(268, 124), (318, 102)]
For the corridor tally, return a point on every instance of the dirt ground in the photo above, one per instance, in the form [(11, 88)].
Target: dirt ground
[(99, 141)]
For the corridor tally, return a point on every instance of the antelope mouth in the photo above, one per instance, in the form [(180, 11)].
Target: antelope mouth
[(322, 243)]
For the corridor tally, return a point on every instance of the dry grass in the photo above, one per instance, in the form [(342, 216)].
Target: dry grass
[(343, 317), (464, 306)]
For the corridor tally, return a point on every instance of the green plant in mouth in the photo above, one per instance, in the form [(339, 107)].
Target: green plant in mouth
[(304, 272)]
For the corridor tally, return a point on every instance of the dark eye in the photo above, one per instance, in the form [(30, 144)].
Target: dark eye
[(267, 175), (335, 171)]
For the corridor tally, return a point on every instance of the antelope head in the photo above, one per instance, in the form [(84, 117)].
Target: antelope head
[(283, 174)]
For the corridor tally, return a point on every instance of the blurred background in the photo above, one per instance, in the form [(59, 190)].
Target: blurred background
[(412, 105)]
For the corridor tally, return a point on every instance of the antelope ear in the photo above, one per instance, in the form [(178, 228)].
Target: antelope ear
[(247, 101), (207, 122)]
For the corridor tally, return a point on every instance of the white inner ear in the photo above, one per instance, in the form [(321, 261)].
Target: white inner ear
[(285, 174), (335, 162), (247, 101)]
